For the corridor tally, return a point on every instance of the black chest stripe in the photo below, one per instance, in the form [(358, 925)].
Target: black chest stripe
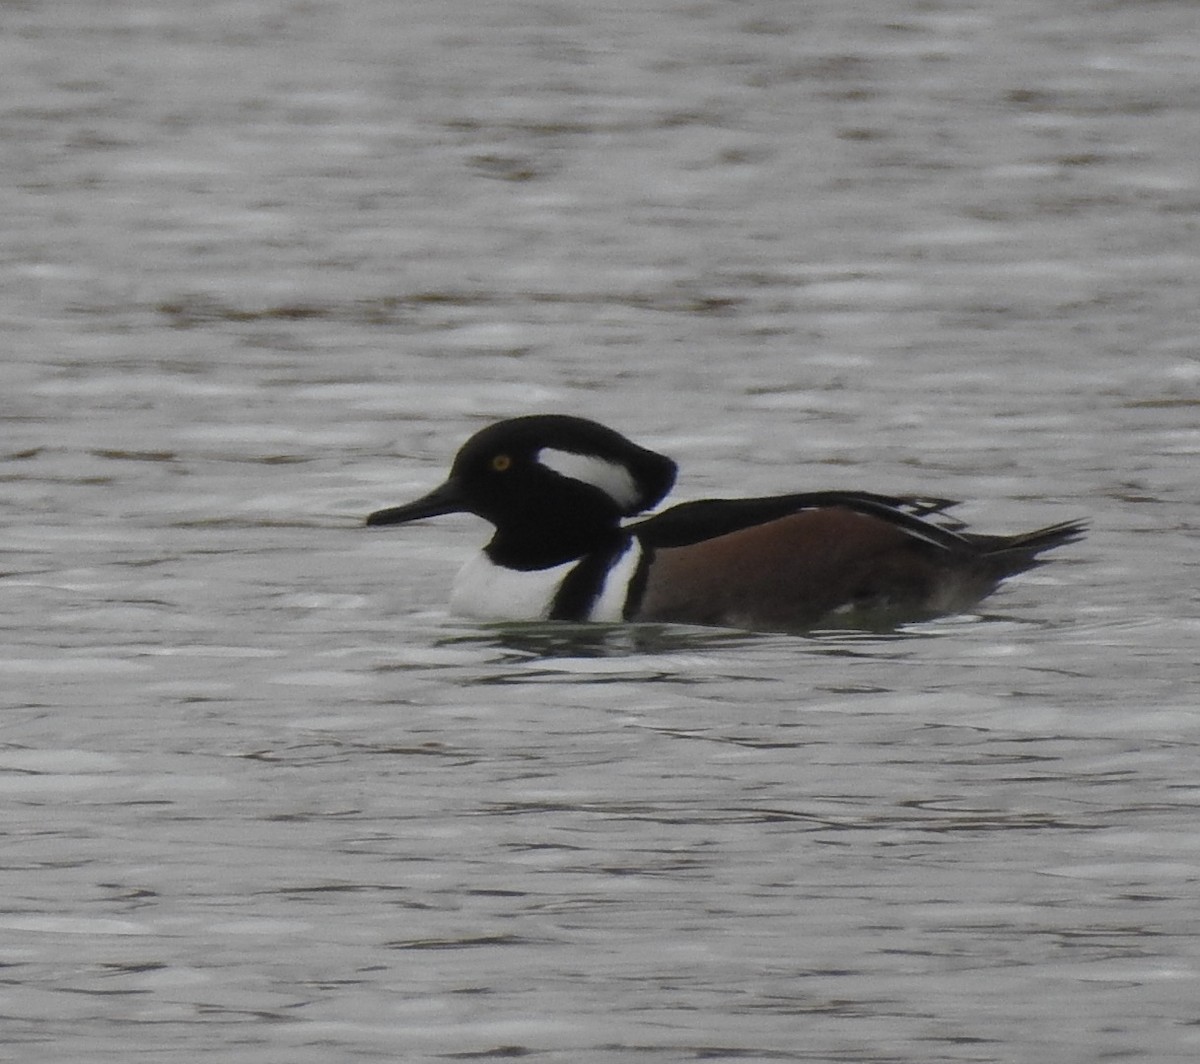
[(582, 586)]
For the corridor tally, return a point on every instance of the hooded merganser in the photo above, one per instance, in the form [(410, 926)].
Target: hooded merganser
[(558, 488)]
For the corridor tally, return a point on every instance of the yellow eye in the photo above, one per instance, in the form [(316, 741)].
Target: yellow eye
[(501, 462)]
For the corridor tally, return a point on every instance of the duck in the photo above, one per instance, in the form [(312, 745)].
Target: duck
[(576, 538)]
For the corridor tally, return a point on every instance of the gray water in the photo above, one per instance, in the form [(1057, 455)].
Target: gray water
[(267, 264)]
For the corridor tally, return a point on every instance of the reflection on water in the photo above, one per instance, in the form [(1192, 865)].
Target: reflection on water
[(267, 266), (535, 640)]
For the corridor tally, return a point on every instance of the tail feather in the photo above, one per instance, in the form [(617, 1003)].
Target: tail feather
[(1043, 538), (1017, 553)]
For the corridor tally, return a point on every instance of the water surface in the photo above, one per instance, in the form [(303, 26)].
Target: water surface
[(268, 264)]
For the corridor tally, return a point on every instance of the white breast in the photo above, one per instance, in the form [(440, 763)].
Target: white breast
[(490, 592)]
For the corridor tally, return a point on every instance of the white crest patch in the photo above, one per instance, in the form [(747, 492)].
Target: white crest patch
[(612, 478)]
